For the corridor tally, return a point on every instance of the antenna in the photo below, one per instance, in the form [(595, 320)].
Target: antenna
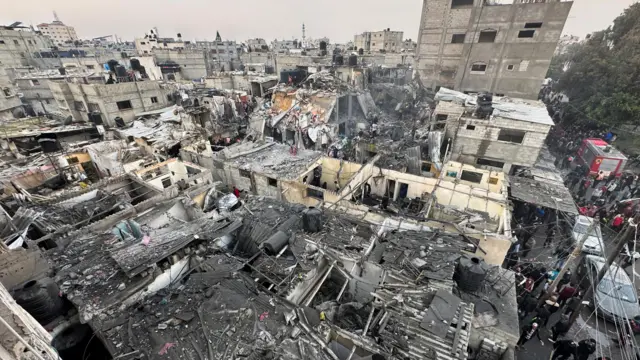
[(303, 35), (55, 16)]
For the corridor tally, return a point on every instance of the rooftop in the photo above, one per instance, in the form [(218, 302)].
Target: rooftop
[(271, 159)]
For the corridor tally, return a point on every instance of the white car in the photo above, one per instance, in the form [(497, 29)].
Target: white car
[(593, 244)]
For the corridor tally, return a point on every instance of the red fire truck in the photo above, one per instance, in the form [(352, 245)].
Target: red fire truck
[(598, 156)]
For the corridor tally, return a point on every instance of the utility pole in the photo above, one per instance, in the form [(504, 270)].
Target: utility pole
[(574, 254), (623, 240)]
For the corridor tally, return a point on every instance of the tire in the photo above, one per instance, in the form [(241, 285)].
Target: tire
[(40, 299)]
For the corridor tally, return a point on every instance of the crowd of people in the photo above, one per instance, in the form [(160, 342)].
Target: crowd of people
[(598, 195)]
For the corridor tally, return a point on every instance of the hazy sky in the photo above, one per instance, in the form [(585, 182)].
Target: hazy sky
[(239, 20)]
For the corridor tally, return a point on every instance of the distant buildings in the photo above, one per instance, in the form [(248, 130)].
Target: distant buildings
[(283, 46), (385, 40), (475, 45), (257, 44), (58, 31)]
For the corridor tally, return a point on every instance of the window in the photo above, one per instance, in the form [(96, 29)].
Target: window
[(458, 3), (471, 127), (46, 101), (244, 173), (478, 68), (93, 107), (374, 44), (524, 65), (166, 182), (15, 42), (272, 182), (143, 43), (511, 135), (29, 42), (154, 99), (493, 180), (35, 82), (2, 42), (471, 176), (73, 160), (510, 67), (442, 117), (7, 92), (457, 38), (533, 25), (526, 33), (492, 163), (487, 36), (91, 67), (124, 105), (79, 105)]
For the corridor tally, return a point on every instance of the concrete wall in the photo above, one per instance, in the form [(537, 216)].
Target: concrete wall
[(514, 66), (12, 348), (21, 265), (19, 47), (106, 97), (192, 62), (253, 57), (482, 142)]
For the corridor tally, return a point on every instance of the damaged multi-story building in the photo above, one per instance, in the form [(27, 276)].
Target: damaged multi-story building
[(504, 47), (509, 139)]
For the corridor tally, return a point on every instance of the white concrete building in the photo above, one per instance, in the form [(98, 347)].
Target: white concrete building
[(386, 40), (58, 32), (283, 46)]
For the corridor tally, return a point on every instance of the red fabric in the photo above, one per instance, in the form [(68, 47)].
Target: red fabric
[(566, 292), (236, 192), (617, 221)]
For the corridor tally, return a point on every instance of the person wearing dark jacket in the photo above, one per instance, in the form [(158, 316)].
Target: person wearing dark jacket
[(564, 349), (527, 306), (559, 328), (585, 349), (542, 315), (528, 332)]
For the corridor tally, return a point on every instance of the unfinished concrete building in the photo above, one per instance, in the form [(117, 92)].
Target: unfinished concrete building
[(510, 138), (103, 103), (499, 46)]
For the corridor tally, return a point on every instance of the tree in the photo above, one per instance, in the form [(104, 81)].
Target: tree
[(602, 79)]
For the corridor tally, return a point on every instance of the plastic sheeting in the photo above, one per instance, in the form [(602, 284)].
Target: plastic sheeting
[(457, 97)]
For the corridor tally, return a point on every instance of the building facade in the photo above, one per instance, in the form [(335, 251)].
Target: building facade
[(377, 41), (103, 103), (283, 46), (258, 44), (59, 32), (474, 45)]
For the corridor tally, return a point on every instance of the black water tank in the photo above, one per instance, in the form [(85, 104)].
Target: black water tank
[(361, 51), (339, 60), (312, 220), (353, 60), (276, 242), (112, 65), (62, 70), (135, 64), (470, 273), (323, 45), (121, 71)]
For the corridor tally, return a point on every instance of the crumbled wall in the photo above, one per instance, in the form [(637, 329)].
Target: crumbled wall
[(21, 265), (27, 327)]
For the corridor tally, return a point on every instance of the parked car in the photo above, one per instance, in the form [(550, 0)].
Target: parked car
[(594, 243), (615, 297)]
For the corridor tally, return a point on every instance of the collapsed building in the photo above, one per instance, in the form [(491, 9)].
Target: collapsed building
[(272, 279)]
